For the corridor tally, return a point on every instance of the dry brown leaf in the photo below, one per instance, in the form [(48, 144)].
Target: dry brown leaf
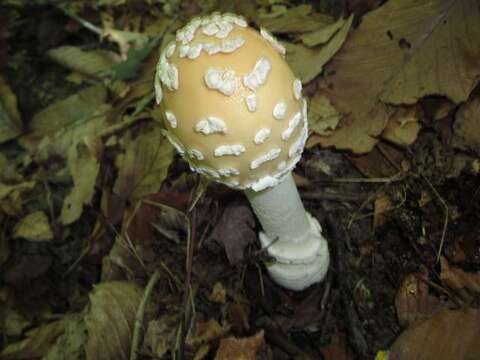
[(382, 205), (218, 294), (160, 335), (298, 19), (233, 348), (457, 279), (10, 121), (235, 231), (307, 63), (206, 332), (110, 320), (37, 343), (84, 166), (144, 165), (467, 126), (323, 118), (400, 52), (34, 227), (92, 63), (403, 126), (413, 301), (451, 334), (322, 35)]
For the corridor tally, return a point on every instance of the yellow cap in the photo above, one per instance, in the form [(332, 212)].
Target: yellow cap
[(233, 107)]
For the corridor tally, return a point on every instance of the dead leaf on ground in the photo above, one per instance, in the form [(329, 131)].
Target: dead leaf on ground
[(206, 332), (467, 126), (236, 231), (233, 348), (323, 118), (83, 164), (399, 53), (451, 334), (413, 301), (307, 63), (457, 279), (34, 227), (91, 63), (70, 345), (37, 343), (218, 294), (296, 19), (403, 125), (160, 335), (110, 319), (322, 35), (144, 164), (10, 120)]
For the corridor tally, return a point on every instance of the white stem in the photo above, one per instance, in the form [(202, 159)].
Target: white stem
[(292, 236)]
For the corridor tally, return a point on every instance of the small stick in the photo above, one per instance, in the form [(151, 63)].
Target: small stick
[(137, 330)]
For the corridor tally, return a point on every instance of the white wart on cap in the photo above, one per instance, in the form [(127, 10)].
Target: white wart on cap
[(232, 104)]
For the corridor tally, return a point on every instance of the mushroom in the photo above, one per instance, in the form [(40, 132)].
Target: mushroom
[(235, 112)]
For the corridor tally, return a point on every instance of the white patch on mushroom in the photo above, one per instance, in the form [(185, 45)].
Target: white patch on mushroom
[(195, 51), (174, 141), (207, 172), (183, 50), (304, 110), (297, 147), (263, 183), (169, 75), (211, 125), (280, 110), (273, 41), (251, 101), (210, 29), (269, 156), (171, 118), (196, 154), (258, 76), (281, 165), (170, 49), (292, 125), (224, 81), (262, 135), (224, 150), (230, 45), (297, 89), (228, 172), (225, 29), (212, 48)]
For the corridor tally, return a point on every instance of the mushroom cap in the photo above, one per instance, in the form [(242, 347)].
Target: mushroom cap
[(233, 107)]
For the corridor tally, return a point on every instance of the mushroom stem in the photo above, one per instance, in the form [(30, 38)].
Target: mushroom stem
[(292, 236)]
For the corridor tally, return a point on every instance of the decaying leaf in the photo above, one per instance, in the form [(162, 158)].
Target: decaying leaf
[(451, 334), (37, 343), (403, 125), (34, 227), (83, 164), (323, 118), (307, 63), (80, 117), (92, 63), (235, 231), (467, 126), (70, 345), (144, 165), (219, 293), (160, 335), (206, 332), (297, 19), (322, 35), (399, 53), (413, 301), (10, 121), (110, 319), (457, 279), (233, 348)]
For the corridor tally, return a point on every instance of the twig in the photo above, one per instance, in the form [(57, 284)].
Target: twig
[(137, 330), (445, 209)]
